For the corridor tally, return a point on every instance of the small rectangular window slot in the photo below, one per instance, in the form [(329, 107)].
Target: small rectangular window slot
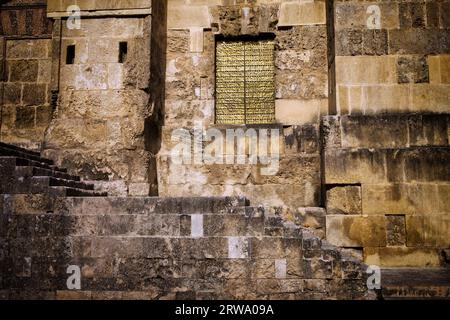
[(123, 51), (70, 54)]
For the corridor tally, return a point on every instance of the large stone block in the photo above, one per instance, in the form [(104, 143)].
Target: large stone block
[(302, 13), (428, 130), (417, 41), (34, 94), (344, 166), (356, 231), (402, 257), (188, 16), (298, 112), (344, 200), (428, 231), (12, 93), (374, 131), (25, 117), (396, 230), (27, 49), (400, 199), (412, 69), (356, 15), (432, 98), (366, 70), (23, 70)]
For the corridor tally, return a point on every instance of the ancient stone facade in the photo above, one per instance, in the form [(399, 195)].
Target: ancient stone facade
[(25, 59), (360, 144)]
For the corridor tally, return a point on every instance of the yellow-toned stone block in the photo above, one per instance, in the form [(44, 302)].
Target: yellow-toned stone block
[(385, 98), (428, 231), (366, 70), (406, 199), (346, 166), (356, 231), (445, 68), (355, 95), (302, 13), (297, 112), (188, 16), (431, 98), (402, 257), (434, 67), (343, 99)]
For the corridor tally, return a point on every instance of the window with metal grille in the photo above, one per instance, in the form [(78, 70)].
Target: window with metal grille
[(245, 89)]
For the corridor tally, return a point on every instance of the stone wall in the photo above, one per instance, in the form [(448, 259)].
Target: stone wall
[(25, 67), (99, 127), (388, 184), (301, 82), (392, 56)]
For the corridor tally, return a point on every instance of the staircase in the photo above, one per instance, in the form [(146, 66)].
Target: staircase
[(155, 248), (26, 172)]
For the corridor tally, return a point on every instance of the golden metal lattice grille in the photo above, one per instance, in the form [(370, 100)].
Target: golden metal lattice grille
[(245, 89)]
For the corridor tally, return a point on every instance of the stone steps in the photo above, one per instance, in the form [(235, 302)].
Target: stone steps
[(25, 172), (19, 149), (174, 248), (28, 171), (413, 283), (9, 151)]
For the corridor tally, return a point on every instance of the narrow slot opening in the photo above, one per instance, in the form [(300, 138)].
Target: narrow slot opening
[(70, 55), (123, 51)]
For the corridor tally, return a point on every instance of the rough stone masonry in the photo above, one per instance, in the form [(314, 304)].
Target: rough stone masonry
[(90, 99)]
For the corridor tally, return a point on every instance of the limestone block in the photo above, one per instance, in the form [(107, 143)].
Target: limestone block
[(402, 257), (25, 118), (356, 231), (307, 85), (428, 231), (305, 37), (396, 230), (12, 94), (85, 77), (45, 69), (432, 98), (400, 199), (356, 15), (302, 13), (412, 69), (23, 70), (418, 41), (378, 99), (298, 112), (344, 200), (54, 6), (103, 50), (354, 166), (374, 131), (196, 39), (139, 189), (34, 94), (366, 70), (27, 49), (428, 130), (115, 76), (188, 16)]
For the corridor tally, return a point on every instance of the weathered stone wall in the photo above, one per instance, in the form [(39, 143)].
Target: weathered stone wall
[(392, 56), (25, 67), (388, 187), (301, 82), (99, 127)]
